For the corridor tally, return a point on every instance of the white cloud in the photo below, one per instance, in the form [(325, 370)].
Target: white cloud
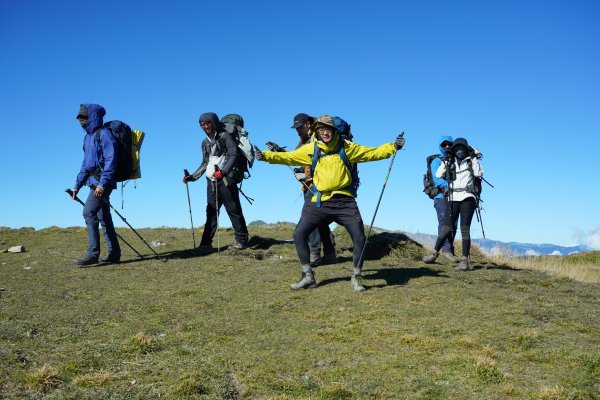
[(556, 253), (531, 253), (589, 238)]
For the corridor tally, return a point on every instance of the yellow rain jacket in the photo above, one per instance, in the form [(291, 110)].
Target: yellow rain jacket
[(331, 174)]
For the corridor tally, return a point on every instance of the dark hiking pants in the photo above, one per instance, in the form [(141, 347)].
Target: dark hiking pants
[(340, 209), (440, 206), (314, 239), (465, 209), (228, 196)]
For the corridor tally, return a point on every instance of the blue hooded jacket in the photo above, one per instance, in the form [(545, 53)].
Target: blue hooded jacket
[(435, 164), (102, 155)]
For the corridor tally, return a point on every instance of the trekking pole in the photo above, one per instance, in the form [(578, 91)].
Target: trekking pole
[(186, 174), (215, 185), (271, 146), (70, 193), (377, 207)]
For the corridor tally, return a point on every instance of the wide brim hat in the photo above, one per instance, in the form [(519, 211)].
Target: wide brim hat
[(324, 120)]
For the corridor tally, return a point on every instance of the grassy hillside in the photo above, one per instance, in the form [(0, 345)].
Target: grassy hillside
[(227, 326)]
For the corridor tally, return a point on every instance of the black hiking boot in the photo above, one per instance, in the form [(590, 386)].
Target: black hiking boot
[(110, 259), (237, 246), (86, 260)]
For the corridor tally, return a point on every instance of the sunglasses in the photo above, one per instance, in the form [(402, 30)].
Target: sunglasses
[(446, 144), (205, 123)]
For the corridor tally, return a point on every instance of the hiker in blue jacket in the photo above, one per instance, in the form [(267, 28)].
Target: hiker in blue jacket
[(97, 171), (440, 203)]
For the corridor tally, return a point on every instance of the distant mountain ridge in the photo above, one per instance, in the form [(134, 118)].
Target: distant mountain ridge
[(487, 246), (496, 247)]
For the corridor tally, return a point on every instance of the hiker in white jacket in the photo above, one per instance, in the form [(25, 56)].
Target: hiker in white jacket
[(459, 169)]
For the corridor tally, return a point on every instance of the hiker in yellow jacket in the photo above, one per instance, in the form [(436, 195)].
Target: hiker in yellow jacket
[(331, 201)]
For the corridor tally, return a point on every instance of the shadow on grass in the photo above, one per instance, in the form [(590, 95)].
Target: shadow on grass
[(391, 276), (260, 243)]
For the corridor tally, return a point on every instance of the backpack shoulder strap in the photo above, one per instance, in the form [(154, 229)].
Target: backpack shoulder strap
[(315, 158), (343, 156)]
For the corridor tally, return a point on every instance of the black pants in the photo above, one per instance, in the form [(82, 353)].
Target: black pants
[(465, 209), (229, 196), (340, 209), (321, 234)]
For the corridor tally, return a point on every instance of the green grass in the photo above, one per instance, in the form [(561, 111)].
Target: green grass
[(227, 326)]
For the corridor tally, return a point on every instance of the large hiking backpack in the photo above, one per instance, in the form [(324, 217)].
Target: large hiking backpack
[(234, 125), (477, 181), (344, 130), (129, 144), (429, 187)]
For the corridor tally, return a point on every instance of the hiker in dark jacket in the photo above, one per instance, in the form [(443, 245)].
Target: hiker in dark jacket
[(459, 169), (97, 171), (219, 161), (440, 203)]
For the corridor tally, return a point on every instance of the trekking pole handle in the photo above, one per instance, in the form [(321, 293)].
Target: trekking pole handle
[(186, 172), (70, 193)]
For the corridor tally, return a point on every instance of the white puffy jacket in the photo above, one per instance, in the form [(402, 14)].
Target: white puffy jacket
[(464, 177)]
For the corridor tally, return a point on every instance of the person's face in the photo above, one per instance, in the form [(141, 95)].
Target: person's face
[(82, 121), (446, 145), (303, 131), (207, 127), (325, 133)]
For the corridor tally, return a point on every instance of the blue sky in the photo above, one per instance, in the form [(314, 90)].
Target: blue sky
[(519, 79)]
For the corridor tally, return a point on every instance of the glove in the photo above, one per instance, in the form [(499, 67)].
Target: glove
[(301, 176), (187, 178), (258, 154), (275, 147), (399, 143), (218, 175)]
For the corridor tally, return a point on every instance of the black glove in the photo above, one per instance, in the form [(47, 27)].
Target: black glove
[(399, 141), (275, 147), (258, 154)]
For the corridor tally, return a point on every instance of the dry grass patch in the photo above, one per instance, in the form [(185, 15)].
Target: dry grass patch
[(97, 379), (43, 379)]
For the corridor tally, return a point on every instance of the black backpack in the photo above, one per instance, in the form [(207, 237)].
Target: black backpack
[(122, 134), (429, 187)]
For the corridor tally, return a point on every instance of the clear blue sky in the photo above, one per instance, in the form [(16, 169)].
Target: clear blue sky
[(519, 79)]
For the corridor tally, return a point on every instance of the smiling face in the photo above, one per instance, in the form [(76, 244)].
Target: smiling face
[(207, 127), (325, 133)]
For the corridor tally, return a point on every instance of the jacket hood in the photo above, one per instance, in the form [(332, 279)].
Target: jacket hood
[(212, 118), (96, 115), (442, 140)]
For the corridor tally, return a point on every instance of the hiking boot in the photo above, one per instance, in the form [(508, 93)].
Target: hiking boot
[(86, 260), (329, 258), (450, 256), (315, 258), (430, 258), (356, 282), (203, 250), (307, 281), (236, 246), (109, 259), (463, 265)]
